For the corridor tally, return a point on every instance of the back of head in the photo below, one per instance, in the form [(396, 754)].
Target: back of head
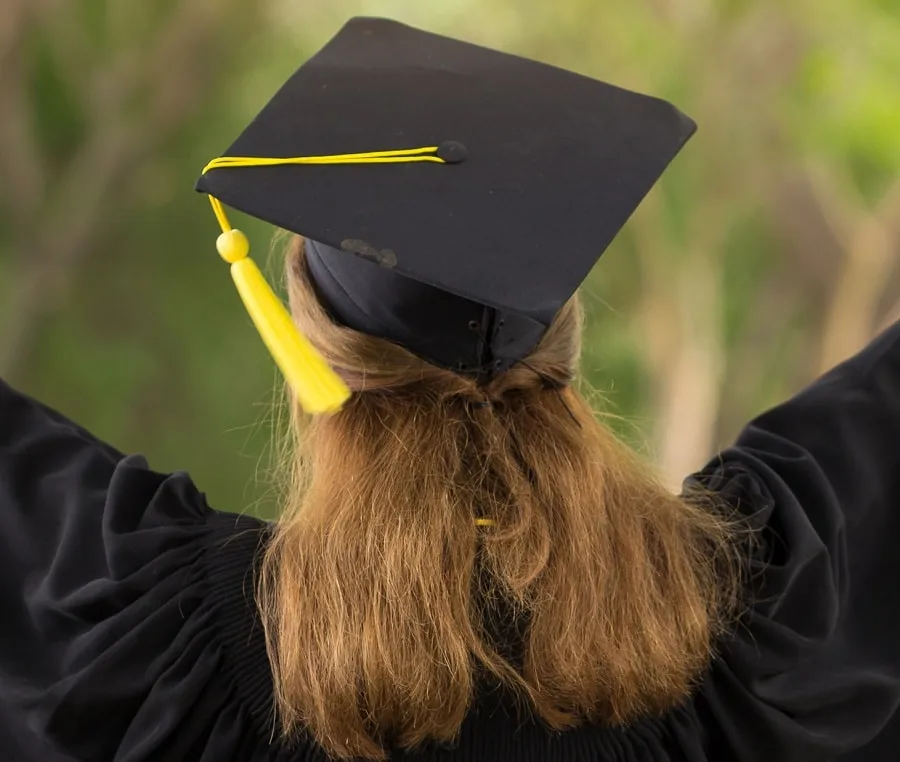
[(435, 504)]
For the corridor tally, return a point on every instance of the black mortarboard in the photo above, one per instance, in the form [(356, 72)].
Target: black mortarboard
[(464, 258)]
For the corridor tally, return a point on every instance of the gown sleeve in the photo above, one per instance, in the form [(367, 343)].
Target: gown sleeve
[(813, 670), (106, 646)]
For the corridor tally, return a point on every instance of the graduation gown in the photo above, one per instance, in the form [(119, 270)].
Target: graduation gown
[(129, 631)]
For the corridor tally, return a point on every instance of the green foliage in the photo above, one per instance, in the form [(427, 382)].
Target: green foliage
[(848, 80)]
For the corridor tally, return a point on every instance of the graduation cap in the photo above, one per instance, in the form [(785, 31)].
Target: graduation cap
[(452, 197)]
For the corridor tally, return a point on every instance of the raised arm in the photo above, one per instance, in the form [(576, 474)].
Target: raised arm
[(96, 587), (813, 670)]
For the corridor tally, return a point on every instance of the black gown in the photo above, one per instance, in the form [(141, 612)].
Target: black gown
[(129, 633)]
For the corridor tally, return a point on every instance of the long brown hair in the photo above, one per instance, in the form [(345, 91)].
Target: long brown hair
[(374, 586)]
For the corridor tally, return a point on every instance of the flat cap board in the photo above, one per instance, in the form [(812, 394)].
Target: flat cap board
[(554, 163)]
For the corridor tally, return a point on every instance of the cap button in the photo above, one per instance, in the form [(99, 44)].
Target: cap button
[(452, 152), (233, 246)]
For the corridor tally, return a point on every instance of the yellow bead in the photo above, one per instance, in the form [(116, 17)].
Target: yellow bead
[(233, 246)]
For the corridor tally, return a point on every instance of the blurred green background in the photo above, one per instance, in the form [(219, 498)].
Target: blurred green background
[(768, 253)]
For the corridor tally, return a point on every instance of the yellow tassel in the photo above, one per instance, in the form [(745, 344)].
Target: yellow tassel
[(318, 388)]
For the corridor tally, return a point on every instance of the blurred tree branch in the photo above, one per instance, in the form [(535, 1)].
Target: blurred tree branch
[(869, 239), (76, 209), (679, 315), (21, 162)]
